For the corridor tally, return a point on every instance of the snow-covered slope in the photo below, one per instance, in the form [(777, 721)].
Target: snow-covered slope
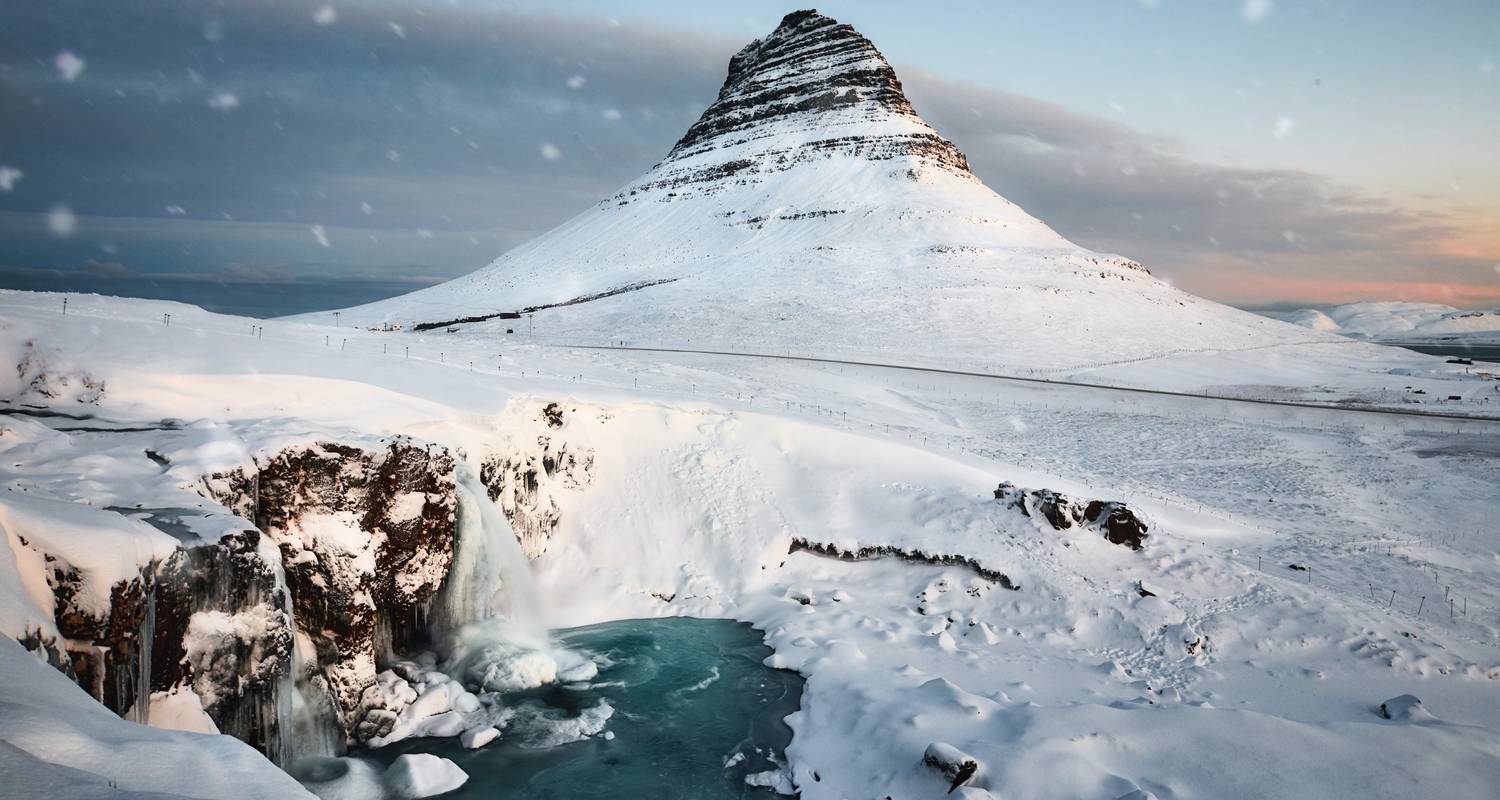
[(1395, 320), (1202, 665), (811, 208), (56, 742)]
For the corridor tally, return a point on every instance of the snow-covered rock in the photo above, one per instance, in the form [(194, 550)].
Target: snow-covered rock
[(417, 775), (526, 483), (956, 766), (1115, 520), (1405, 708), (355, 570), (475, 738)]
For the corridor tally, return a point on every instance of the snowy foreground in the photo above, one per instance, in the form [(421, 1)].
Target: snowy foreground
[(1201, 666)]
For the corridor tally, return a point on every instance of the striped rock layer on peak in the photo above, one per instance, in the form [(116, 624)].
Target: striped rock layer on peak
[(811, 209), (811, 89)]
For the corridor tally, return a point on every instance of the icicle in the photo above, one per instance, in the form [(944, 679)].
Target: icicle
[(147, 634), (305, 722)]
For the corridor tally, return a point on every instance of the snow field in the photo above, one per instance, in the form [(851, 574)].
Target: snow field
[(1229, 681)]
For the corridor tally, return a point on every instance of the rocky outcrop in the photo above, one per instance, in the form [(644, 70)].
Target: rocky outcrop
[(366, 538), (223, 630), (1113, 519), (1119, 524), (888, 551), (350, 545), (525, 484), (956, 766), (108, 654), (1060, 511)]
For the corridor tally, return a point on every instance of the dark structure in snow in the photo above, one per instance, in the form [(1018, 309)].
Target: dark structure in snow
[(1112, 518)]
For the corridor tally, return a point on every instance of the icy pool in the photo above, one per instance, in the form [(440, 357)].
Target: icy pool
[(683, 697)]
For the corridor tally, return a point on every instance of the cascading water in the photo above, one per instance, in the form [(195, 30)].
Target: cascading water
[(490, 579), (488, 616), (305, 721)]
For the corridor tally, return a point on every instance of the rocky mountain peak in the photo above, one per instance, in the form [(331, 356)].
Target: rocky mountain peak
[(814, 86)]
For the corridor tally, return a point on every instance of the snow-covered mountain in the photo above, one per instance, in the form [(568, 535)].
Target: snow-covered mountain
[(810, 207), (1394, 320)]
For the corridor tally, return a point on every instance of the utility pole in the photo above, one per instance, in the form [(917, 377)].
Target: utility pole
[(65, 306), (335, 319)]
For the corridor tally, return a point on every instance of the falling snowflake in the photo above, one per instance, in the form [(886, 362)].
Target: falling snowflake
[(62, 221), (576, 82), (1255, 10), (321, 235), (1283, 127), (612, 114), (69, 66), (326, 15), (392, 156), (176, 211), (397, 29), (367, 208), (549, 151), (224, 101), (8, 178)]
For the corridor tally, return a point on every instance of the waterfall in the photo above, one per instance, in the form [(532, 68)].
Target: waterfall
[(488, 616), (490, 580), (305, 719), (311, 726)]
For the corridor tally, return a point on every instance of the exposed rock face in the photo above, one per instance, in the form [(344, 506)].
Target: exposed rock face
[(223, 630), (812, 89), (1119, 524), (525, 484), (366, 539), (1058, 509), (109, 654), (889, 551), (350, 544), (1112, 518)]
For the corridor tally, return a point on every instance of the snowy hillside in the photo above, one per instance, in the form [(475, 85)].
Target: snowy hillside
[(812, 209), (1396, 320), (1298, 567)]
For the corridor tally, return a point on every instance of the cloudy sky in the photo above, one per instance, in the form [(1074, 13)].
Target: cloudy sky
[(278, 156)]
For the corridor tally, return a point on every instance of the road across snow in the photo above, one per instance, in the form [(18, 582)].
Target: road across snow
[(1079, 384)]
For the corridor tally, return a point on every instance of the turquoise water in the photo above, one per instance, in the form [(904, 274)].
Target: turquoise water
[(674, 723)]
